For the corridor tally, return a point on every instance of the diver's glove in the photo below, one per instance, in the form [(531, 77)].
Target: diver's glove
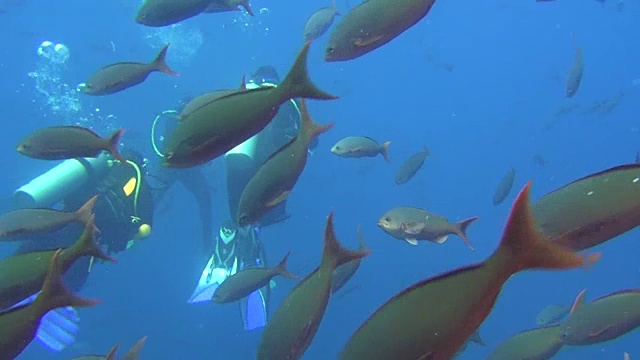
[(210, 279)]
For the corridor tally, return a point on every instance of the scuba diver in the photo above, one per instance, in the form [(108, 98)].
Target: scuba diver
[(238, 248), (123, 214)]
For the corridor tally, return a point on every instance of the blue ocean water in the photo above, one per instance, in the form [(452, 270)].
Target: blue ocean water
[(494, 110)]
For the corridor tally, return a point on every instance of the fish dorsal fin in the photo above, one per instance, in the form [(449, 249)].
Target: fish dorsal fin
[(579, 301), (289, 142), (413, 242), (371, 139)]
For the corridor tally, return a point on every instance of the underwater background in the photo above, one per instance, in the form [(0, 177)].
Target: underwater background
[(480, 83)]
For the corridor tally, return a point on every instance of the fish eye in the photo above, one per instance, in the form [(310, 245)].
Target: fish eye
[(331, 49), (387, 219), (337, 147)]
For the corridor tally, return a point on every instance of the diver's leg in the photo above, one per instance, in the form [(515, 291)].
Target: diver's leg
[(196, 183), (254, 309)]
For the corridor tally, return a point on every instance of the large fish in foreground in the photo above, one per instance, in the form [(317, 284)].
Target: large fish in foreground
[(372, 24), (68, 142), (603, 319), (157, 13), (206, 98), (18, 326), (274, 181), (535, 344), (226, 122), (217, 6), (22, 275), (406, 327), (295, 323), (25, 223), (591, 210), (121, 76)]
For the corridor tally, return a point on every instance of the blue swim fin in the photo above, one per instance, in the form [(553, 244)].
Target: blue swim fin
[(209, 281), (254, 311), (58, 328)]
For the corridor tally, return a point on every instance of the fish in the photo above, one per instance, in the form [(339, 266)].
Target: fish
[(25, 223), (244, 282), (319, 22), (224, 123), (412, 224), (18, 326), (604, 319), (205, 98), (343, 273), (158, 13), (117, 77), (68, 142), (275, 179), (462, 298), (592, 210), (295, 323), (534, 344), (22, 275), (410, 167), (134, 352), (111, 355), (217, 6), (575, 74), (552, 314), (504, 187), (360, 146), (363, 29)]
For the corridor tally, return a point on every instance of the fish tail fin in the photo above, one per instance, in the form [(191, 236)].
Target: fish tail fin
[(85, 212), (134, 352), (112, 353), (86, 245), (526, 248), (363, 244), (311, 129), (112, 146), (334, 251), (461, 230), (54, 294), (245, 4), (281, 269), (385, 151), (160, 63), (297, 82)]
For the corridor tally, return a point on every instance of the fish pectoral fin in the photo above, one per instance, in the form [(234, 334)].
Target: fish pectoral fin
[(441, 239), (412, 228), (278, 199), (363, 42), (413, 242)]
